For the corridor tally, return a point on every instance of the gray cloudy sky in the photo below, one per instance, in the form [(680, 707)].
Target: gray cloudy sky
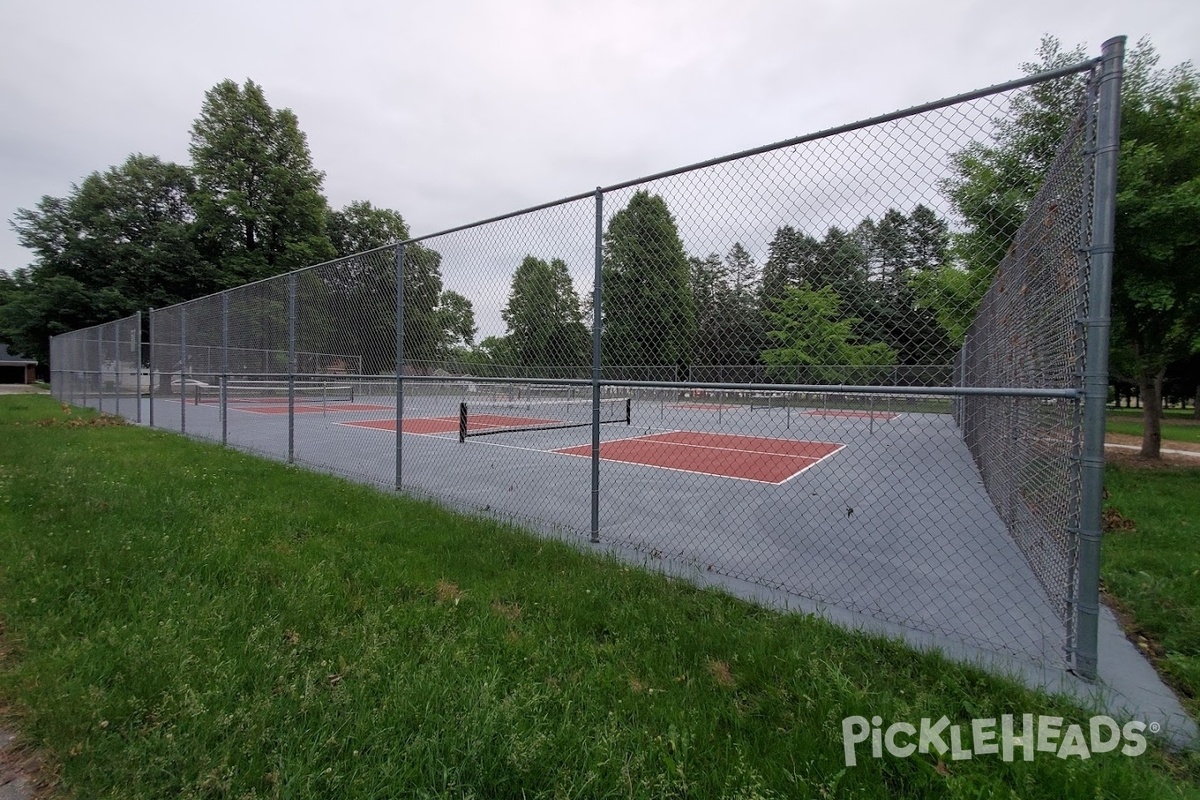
[(455, 111)]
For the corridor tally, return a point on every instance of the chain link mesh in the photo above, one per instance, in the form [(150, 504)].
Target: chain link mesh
[(824, 368)]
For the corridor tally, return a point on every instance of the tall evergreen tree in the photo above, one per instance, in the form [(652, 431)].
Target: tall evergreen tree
[(546, 333), (649, 319)]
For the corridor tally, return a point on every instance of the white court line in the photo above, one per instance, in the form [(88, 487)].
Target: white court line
[(672, 469), (642, 437), (838, 447)]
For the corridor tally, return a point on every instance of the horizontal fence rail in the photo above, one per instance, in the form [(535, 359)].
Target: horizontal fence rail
[(844, 366)]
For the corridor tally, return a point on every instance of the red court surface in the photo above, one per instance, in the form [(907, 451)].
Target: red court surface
[(750, 458), (436, 425), (853, 414), (303, 408)]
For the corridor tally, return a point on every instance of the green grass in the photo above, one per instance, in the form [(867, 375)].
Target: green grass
[(1154, 569), (190, 621), (1177, 427)]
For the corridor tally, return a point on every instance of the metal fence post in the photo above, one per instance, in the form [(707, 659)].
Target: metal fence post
[(150, 374), (597, 302), (183, 369), (117, 363), (137, 380), (291, 323), (1095, 376), (224, 405), (399, 365), (100, 369)]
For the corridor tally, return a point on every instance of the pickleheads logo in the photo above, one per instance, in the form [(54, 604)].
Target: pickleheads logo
[(984, 737)]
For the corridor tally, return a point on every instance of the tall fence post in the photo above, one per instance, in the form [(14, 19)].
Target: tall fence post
[(150, 373), (224, 406), (399, 365), (117, 365), (1095, 374), (137, 365), (100, 368), (291, 334), (597, 300), (183, 359)]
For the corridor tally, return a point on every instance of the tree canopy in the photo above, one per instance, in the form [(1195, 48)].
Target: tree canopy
[(259, 206), (1156, 271), (120, 241), (649, 318), (546, 333)]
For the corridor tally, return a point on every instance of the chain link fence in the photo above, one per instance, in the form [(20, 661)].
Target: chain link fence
[(101, 367), (827, 366)]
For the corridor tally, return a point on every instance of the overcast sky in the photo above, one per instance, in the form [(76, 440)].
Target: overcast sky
[(455, 111)]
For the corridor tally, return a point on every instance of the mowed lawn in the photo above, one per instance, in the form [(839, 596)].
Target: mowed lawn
[(183, 620), (1177, 426), (1151, 564)]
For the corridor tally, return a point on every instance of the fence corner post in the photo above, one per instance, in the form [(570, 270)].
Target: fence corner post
[(1095, 375)]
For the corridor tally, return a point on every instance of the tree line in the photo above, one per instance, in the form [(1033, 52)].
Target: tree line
[(150, 233), (823, 306), (903, 290)]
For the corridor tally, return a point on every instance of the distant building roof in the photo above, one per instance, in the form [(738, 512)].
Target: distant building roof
[(8, 359)]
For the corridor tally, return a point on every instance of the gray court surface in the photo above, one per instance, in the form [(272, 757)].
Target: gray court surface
[(895, 525), (893, 533)]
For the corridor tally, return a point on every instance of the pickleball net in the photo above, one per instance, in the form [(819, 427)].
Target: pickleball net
[(489, 416), (272, 393)]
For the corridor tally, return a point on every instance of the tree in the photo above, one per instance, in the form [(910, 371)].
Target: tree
[(121, 241), (649, 319), (361, 226), (437, 323), (546, 334), (902, 248), (259, 206), (457, 319), (1155, 274), (791, 257), (816, 342)]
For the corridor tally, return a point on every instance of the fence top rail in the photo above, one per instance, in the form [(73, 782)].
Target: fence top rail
[(998, 88), (132, 318), (765, 388)]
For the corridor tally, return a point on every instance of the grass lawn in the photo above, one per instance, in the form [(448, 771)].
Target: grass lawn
[(1178, 426), (182, 620), (1151, 564)]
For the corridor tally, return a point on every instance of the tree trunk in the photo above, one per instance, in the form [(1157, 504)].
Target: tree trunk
[(1196, 404), (1150, 386)]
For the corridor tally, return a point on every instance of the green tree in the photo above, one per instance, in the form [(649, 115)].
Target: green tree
[(1156, 273), (121, 241), (902, 248), (363, 287), (791, 257), (259, 206), (457, 319), (361, 226), (546, 333), (649, 319), (816, 342), (1155, 277)]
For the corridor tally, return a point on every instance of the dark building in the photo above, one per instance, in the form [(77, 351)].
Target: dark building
[(16, 369)]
